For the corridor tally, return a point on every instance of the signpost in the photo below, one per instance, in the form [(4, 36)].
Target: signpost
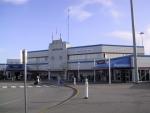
[(109, 70), (24, 62), (94, 72)]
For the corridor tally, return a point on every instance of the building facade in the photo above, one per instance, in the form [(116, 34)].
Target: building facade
[(62, 61)]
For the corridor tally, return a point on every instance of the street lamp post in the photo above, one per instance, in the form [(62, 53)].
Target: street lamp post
[(136, 77), (109, 68), (78, 70), (109, 71), (94, 71), (24, 62)]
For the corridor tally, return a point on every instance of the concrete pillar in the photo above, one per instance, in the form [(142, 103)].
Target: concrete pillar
[(86, 89), (145, 75), (149, 74), (65, 74), (133, 76), (49, 75), (114, 73)]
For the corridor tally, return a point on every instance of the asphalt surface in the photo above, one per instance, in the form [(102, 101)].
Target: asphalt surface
[(39, 98), (103, 98)]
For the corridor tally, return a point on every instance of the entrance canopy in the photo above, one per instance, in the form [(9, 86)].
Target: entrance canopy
[(120, 62)]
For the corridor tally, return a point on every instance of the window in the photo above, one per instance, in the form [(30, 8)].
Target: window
[(52, 57), (85, 56), (60, 57)]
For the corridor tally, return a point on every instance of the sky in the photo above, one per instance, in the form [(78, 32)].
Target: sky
[(29, 24)]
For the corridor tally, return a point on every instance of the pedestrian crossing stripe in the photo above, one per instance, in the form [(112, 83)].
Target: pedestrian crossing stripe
[(13, 86), (9, 86), (4, 86)]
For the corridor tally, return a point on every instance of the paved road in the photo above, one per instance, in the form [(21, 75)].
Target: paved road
[(117, 98), (39, 98), (103, 98)]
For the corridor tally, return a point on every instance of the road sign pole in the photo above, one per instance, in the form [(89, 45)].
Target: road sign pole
[(24, 62)]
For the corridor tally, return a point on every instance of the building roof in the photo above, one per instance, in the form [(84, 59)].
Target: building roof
[(104, 45)]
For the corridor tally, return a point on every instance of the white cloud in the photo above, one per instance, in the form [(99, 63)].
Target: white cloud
[(115, 14), (80, 13), (16, 2), (127, 36), (146, 40)]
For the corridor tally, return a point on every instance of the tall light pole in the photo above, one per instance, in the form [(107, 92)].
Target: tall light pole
[(136, 76), (78, 70), (94, 71), (109, 67), (109, 71), (24, 62)]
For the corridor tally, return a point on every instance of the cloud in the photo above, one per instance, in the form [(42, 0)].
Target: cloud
[(2, 50), (127, 36), (16, 2), (115, 14), (146, 40), (81, 13)]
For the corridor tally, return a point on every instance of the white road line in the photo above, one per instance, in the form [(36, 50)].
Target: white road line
[(9, 102), (21, 86), (4, 86), (29, 86), (45, 86), (13, 86), (38, 86)]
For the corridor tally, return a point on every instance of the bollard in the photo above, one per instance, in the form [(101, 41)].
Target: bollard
[(74, 81), (86, 89)]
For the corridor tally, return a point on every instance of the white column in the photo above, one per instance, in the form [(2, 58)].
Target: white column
[(49, 75), (74, 81), (109, 64), (133, 76), (86, 89)]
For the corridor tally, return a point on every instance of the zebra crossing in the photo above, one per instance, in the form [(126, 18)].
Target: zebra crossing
[(22, 86)]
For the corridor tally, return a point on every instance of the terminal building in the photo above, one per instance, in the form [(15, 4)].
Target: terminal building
[(61, 61)]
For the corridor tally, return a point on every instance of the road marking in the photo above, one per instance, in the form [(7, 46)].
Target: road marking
[(21, 86), (75, 93), (13, 86), (4, 86), (29, 86), (9, 102), (38, 86), (45, 86)]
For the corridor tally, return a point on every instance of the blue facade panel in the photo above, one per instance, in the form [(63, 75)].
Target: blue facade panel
[(121, 62)]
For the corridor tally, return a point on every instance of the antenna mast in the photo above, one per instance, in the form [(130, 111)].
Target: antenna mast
[(68, 24), (52, 36)]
